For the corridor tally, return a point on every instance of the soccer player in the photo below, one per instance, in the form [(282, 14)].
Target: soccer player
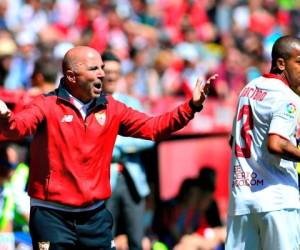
[(74, 129), (264, 199)]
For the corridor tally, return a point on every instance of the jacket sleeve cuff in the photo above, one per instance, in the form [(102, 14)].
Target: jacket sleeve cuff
[(194, 108)]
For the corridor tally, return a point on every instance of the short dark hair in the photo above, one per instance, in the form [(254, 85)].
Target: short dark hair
[(47, 67), (207, 179), (282, 48), (109, 56)]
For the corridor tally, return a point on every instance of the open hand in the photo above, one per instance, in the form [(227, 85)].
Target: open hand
[(4, 110), (201, 90)]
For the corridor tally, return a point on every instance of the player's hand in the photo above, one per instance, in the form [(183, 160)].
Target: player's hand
[(4, 110), (201, 90)]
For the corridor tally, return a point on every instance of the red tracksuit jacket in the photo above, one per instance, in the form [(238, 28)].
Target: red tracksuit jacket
[(70, 157)]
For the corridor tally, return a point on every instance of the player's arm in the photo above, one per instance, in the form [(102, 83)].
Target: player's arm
[(282, 147)]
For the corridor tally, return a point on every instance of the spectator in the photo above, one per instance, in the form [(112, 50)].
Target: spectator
[(232, 75), (3, 9), (128, 178), (22, 62), (14, 182), (92, 25), (146, 86), (210, 233), (7, 51), (6, 195), (32, 16), (44, 76), (194, 214), (168, 75)]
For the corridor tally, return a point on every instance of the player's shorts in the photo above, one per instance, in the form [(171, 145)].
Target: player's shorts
[(276, 230), (58, 230)]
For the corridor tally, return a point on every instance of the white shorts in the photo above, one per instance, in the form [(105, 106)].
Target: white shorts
[(276, 230)]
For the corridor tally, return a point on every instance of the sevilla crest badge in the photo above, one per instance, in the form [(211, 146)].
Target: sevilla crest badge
[(100, 117)]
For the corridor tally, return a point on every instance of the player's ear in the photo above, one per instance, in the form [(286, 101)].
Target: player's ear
[(280, 62), (70, 75)]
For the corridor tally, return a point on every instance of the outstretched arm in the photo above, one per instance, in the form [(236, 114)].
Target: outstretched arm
[(15, 126), (141, 125)]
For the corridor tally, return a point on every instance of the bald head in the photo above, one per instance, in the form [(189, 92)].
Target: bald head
[(283, 48), (77, 56), (83, 72)]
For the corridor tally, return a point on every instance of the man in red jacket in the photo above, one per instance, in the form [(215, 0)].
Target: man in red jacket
[(74, 130)]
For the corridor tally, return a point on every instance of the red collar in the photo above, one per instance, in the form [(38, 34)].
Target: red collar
[(270, 75)]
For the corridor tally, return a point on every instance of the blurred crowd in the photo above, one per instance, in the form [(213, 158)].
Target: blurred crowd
[(163, 45)]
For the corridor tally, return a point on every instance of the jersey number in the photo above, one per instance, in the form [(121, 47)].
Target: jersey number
[(245, 152)]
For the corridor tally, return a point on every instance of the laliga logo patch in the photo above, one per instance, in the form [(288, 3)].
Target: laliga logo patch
[(44, 245), (100, 117), (291, 108)]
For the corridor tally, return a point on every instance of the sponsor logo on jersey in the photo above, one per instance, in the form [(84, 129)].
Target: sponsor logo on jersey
[(245, 178), (100, 117), (291, 108)]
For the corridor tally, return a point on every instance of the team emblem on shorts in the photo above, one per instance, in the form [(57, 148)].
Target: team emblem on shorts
[(100, 117), (291, 108), (44, 245)]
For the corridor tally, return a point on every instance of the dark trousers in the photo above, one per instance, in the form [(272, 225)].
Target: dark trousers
[(126, 206), (58, 230)]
